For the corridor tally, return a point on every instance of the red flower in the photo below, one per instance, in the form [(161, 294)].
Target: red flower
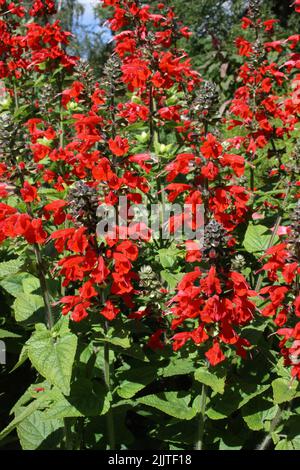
[(110, 311), (211, 148), (155, 341), (87, 290), (245, 47), (128, 249), (57, 208), (118, 146), (73, 92), (215, 354), (80, 312), (135, 73), (236, 162), (297, 6), (28, 192)]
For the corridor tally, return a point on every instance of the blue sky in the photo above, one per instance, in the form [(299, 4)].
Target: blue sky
[(88, 18)]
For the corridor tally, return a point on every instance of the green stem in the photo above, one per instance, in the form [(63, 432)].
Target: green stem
[(109, 414), (41, 273), (154, 139), (44, 287), (37, 252), (268, 438), (199, 443), (252, 178), (270, 244), (68, 434)]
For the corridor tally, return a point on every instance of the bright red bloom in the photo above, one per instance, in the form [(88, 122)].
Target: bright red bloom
[(155, 341), (28, 192), (135, 73), (118, 146), (110, 311), (215, 355)]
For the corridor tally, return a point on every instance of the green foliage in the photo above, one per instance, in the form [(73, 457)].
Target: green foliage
[(52, 354)]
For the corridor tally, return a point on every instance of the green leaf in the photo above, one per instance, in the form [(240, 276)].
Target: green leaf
[(171, 279), (26, 305), (26, 411), (284, 390), (296, 442), (8, 334), (20, 283), (168, 256), (30, 284), (121, 342), (53, 358), (35, 433), (234, 398), (177, 367), (22, 358), (87, 398), (136, 352), (256, 412), (257, 238), (285, 444), (14, 284), (7, 268), (249, 396), (210, 379), (224, 446), (170, 403), (134, 380)]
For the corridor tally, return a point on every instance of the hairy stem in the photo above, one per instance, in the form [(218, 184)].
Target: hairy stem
[(68, 434), (270, 244), (201, 420), (271, 241), (44, 286), (109, 414), (268, 438)]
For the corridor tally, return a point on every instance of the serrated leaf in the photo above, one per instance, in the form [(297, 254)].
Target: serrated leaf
[(36, 434), (224, 446), (86, 399), (14, 284), (296, 442), (8, 334), (7, 268), (285, 444), (256, 412), (221, 407), (26, 411), (170, 403), (117, 341), (178, 367), (257, 238), (168, 256), (30, 284), (134, 380), (210, 379), (249, 396), (53, 359), (171, 279), (22, 358), (284, 390), (26, 305)]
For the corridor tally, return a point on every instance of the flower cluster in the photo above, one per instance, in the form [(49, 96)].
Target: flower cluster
[(147, 131)]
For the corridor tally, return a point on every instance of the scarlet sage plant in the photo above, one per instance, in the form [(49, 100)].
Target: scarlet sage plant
[(149, 246)]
